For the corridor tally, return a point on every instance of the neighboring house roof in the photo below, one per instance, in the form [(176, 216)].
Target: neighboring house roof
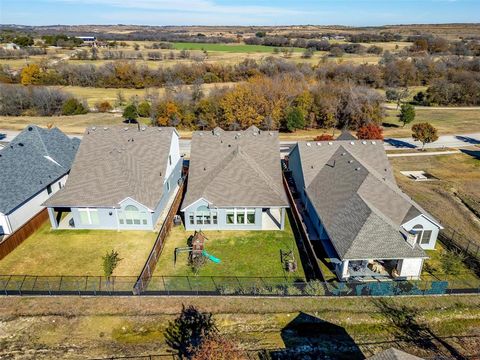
[(235, 168), (115, 163), (394, 354), (353, 190), (346, 135), (34, 159)]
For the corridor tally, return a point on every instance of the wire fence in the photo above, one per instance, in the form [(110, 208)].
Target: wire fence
[(232, 286), (453, 237)]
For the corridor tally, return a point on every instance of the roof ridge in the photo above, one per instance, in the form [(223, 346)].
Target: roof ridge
[(40, 138)]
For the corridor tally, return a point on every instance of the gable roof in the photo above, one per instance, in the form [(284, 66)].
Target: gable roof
[(394, 354), (34, 159), (114, 163), (346, 135), (353, 190), (235, 168)]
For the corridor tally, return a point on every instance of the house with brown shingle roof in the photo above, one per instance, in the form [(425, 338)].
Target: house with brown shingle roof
[(235, 181), (122, 178), (355, 211)]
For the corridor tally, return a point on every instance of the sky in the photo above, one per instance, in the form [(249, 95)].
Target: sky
[(238, 12)]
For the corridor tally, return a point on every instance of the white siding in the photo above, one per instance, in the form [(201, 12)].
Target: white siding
[(4, 223), (174, 156), (32, 207), (411, 268), (427, 225)]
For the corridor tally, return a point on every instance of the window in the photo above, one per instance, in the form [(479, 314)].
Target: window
[(214, 218), (59, 184), (427, 234), (192, 219), (199, 219), (49, 189), (169, 159), (240, 217), (89, 216), (133, 216), (230, 217), (168, 185), (250, 216)]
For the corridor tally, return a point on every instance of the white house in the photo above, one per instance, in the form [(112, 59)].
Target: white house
[(353, 207), (123, 178), (235, 181), (33, 167)]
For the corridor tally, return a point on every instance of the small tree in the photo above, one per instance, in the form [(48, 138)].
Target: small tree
[(103, 106), (30, 74), (144, 109), (407, 114), (188, 331), (452, 262), (110, 262), (130, 113), (370, 132), (425, 133), (294, 119), (73, 107)]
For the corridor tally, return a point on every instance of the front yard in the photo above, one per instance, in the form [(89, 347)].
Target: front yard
[(78, 252), (242, 254)]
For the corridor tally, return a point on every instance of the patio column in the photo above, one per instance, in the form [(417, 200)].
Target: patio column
[(344, 269), (282, 218), (53, 220)]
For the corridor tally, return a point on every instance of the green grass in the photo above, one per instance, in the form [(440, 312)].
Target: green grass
[(78, 252), (242, 253), (235, 48)]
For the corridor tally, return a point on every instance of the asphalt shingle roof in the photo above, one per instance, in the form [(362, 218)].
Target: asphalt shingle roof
[(34, 159), (352, 187), (114, 163), (235, 168)]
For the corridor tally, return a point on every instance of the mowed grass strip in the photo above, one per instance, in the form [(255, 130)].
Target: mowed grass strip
[(242, 253), (78, 252), (237, 48)]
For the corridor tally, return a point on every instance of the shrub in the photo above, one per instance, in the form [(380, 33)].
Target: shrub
[(407, 114), (130, 112), (73, 107), (103, 106), (315, 288), (110, 262), (370, 132), (323, 137)]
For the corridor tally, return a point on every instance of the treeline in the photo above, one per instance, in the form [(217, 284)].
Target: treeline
[(284, 102), (21, 53), (16, 100)]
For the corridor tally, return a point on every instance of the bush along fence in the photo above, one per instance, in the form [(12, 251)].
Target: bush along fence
[(232, 286)]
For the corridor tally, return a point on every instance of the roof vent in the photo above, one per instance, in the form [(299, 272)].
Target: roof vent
[(105, 128), (94, 128), (200, 133), (21, 144), (143, 128), (350, 161), (30, 128), (125, 128), (364, 142), (255, 133), (204, 169), (270, 133), (319, 144), (308, 144), (159, 129), (373, 142), (330, 143), (352, 143), (343, 154), (357, 169), (312, 166)]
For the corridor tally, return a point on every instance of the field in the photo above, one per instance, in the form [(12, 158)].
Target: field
[(88, 327), (235, 48), (235, 249), (78, 252), (459, 176), (447, 121)]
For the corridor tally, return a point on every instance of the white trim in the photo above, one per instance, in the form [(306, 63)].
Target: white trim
[(135, 201), (199, 199), (426, 218)]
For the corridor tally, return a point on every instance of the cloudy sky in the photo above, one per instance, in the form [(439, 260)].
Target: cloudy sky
[(239, 12)]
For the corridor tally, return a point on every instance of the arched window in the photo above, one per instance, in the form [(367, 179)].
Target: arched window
[(423, 236)]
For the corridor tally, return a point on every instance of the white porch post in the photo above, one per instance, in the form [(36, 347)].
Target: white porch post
[(282, 219), (344, 269), (53, 220)]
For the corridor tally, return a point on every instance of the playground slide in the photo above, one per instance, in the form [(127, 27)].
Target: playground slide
[(211, 257)]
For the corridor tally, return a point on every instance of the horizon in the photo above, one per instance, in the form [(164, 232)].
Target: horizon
[(349, 13)]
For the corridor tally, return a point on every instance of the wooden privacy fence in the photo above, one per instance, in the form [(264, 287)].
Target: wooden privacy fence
[(306, 244), (149, 267), (17, 237)]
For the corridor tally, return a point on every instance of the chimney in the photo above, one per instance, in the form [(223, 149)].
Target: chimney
[(411, 238)]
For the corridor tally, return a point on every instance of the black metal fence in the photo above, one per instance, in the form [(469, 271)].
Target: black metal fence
[(231, 286), (454, 238)]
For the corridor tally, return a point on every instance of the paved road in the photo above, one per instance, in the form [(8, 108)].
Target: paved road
[(454, 141), (466, 108)]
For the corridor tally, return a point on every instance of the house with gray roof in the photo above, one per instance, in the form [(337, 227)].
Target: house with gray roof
[(123, 178), (33, 167), (235, 181), (353, 207)]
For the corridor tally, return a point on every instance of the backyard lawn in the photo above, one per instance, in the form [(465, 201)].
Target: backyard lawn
[(78, 252), (242, 254)]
